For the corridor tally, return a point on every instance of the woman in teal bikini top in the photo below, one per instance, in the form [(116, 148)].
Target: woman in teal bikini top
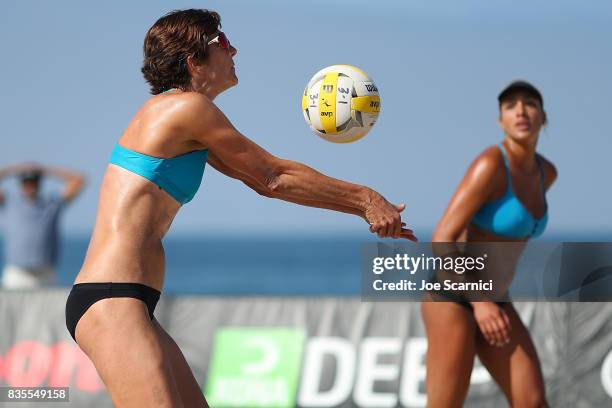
[(155, 168), (507, 216), (501, 198), (179, 176)]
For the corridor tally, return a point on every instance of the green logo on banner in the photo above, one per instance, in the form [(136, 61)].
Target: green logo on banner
[(255, 368)]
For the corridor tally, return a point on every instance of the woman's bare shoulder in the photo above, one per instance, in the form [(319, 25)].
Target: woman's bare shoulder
[(487, 163)]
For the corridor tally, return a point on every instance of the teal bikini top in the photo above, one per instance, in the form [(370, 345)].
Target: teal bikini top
[(179, 176), (507, 217)]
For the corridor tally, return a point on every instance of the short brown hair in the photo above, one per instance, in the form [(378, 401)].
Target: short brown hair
[(174, 37)]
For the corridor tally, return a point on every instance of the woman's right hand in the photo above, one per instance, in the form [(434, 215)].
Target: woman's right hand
[(493, 322), (385, 220)]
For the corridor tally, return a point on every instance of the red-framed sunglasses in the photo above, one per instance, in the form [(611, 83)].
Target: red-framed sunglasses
[(220, 38)]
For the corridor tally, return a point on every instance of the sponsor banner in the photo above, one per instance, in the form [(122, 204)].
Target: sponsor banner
[(255, 367), (488, 271), (305, 352)]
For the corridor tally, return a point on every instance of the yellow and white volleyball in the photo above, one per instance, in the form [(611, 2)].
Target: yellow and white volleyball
[(341, 103)]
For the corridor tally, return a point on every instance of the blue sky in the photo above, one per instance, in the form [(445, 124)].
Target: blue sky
[(72, 81)]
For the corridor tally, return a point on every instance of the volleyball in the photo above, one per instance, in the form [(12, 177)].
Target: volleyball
[(341, 103)]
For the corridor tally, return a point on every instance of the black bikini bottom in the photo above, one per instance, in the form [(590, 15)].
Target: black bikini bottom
[(83, 295), (443, 295)]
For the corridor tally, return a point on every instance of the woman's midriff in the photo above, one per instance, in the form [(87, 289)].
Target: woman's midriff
[(121, 259), (126, 245)]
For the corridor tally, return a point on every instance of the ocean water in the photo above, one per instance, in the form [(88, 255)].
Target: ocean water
[(260, 264), (246, 265)]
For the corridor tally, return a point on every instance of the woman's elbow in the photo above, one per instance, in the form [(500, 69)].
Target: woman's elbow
[(258, 188), (276, 182), (282, 177), (264, 192), (273, 184)]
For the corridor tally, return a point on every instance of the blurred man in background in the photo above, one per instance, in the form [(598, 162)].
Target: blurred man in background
[(30, 221)]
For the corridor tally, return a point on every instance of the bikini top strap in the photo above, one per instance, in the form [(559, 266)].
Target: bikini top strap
[(506, 163)]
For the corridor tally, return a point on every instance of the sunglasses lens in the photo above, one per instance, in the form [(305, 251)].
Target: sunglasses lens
[(223, 41)]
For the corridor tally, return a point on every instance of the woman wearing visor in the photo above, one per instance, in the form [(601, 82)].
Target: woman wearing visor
[(500, 199), (157, 166)]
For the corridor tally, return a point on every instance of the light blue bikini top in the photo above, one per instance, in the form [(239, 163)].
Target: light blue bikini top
[(507, 216), (179, 176)]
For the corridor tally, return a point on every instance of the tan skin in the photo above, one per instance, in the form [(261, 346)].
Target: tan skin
[(496, 334), (138, 361)]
